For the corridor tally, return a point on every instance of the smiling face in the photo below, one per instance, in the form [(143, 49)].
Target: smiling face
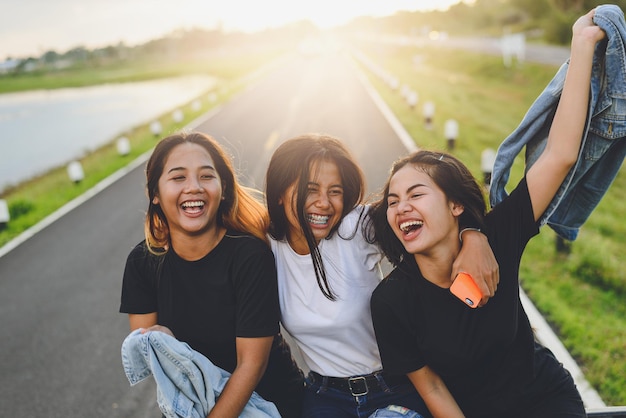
[(419, 213), (323, 205), (189, 191)]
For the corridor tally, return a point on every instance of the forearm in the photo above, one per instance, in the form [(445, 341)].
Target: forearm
[(435, 394), (252, 359), (569, 120), (442, 406), (236, 393), (545, 176)]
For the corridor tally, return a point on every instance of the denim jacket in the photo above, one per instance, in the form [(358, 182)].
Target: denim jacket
[(187, 382), (603, 146)]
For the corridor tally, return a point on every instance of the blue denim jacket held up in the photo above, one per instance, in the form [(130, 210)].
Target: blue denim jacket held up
[(187, 382), (603, 147)]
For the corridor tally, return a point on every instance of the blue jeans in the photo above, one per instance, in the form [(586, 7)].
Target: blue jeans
[(321, 401), (395, 411)]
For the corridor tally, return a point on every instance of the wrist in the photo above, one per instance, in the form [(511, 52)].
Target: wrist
[(467, 230)]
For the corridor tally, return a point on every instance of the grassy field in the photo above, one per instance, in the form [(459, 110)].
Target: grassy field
[(581, 294)]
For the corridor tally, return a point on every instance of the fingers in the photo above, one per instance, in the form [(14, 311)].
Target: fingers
[(159, 328), (489, 285)]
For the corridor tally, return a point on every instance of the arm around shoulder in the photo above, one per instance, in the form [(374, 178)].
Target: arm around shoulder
[(477, 259)]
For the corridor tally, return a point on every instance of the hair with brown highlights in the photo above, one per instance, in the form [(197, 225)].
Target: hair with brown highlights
[(239, 210)]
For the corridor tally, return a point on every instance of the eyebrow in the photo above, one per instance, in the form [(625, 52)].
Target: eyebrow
[(204, 167), (312, 183), (408, 190)]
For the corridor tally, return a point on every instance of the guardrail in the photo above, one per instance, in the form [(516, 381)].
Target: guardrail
[(607, 412)]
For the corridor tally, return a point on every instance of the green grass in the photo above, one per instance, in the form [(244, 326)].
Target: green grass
[(581, 294)]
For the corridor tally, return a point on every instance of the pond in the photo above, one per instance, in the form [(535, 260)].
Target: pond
[(43, 129)]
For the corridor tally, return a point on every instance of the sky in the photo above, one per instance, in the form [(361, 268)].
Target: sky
[(32, 27)]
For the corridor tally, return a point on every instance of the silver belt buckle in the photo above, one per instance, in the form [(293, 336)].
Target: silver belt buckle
[(355, 380)]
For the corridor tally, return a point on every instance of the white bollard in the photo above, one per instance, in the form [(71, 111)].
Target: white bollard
[(5, 216), (75, 171), (451, 132), (487, 160), (178, 116), (123, 146), (155, 128), (412, 99), (429, 113), (404, 91)]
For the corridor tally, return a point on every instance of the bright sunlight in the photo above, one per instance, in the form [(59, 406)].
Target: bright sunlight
[(99, 23)]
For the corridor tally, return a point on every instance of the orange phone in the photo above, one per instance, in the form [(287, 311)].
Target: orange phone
[(465, 289)]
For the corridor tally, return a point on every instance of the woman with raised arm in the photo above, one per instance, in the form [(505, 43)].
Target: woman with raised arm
[(486, 359)]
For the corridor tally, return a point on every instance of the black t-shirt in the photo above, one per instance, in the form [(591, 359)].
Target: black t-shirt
[(486, 356), (231, 292)]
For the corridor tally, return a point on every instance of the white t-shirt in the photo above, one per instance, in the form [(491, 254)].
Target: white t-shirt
[(336, 338)]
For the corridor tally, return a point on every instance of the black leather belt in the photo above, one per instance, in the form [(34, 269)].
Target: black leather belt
[(359, 385)]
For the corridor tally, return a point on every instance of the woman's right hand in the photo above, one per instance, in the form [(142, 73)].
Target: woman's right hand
[(159, 328)]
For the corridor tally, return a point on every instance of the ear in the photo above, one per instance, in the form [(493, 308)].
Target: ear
[(155, 200), (456, 209)]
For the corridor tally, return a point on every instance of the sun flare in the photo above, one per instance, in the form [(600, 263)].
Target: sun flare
[(252, 16), (99, 24)]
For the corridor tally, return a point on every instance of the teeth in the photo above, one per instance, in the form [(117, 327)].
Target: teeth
[(197, 203), (317, 219), (409, 225)]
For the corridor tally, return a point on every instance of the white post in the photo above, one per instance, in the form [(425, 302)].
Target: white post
[(123, 146), (451, 131), (412, 99), (178, 116), (429, 112), (488, 158), (155, 128), (75, 171), (5, 216)]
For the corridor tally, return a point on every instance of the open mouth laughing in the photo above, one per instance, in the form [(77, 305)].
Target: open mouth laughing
[(192, 206), (314, 219), (410, 226)]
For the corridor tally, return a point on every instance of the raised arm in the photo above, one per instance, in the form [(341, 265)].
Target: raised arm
[(561, 152)]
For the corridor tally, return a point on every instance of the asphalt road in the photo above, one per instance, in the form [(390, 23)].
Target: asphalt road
[(59, 290)]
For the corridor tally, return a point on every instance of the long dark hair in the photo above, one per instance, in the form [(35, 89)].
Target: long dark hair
[(451, 176), (239, 209), (291, 164)]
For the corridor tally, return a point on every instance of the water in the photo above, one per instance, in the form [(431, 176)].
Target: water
[(43, 129)]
